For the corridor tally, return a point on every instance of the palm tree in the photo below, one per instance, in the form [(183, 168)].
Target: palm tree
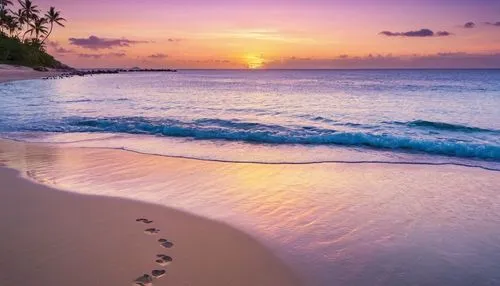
[(19, 16), (38, 28), (4, 17), (3, 4), (53, 16), (12, 25), (3, 13), (30, 12)]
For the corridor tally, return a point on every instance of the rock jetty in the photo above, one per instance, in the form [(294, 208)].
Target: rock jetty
[(72, 73)]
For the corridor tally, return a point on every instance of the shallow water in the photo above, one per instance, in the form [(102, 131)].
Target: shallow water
[(335, 224)]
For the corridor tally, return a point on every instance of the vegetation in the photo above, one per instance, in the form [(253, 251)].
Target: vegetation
[(24, 32)]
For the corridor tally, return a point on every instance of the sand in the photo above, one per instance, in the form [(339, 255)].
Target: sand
[(334, 224), (12, 73), (52, 237)]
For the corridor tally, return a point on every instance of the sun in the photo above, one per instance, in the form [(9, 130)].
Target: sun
[(253, 61)]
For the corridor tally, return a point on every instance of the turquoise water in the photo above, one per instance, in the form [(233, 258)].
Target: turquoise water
[(451, 114)]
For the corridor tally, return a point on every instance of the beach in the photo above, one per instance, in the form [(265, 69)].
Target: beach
[(249, 143), (51, 237), (346, 223), (10, 73)]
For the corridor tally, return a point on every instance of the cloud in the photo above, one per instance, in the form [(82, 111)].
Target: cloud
[(158, 56), (90, 56), (469, 25), (422, 33), (56, 48), (209, 61), (493, 24), (389, 61), (443, 34), (53, 44), (99, 56), (302, 59), (96, 43), (118, 55), (261, 34), (174, 40), (62, 50), (455, 54)]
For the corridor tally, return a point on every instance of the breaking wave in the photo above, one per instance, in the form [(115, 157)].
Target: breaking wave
[(236, 130)]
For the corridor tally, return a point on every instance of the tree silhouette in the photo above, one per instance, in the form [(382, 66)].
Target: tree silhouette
[(52, 17), (26, 20)]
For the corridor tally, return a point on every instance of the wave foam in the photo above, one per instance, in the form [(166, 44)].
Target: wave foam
[(234, 130)]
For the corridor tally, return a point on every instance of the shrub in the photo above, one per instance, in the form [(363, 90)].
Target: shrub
[(14, 52)]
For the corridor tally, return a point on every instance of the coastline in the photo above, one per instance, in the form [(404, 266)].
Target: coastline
[(321, 219), (52, 237), (9, 73)]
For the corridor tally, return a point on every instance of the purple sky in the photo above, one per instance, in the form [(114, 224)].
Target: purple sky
[(266, 33)]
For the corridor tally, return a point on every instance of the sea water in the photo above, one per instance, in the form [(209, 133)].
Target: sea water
[(451, 114), (335, 170)]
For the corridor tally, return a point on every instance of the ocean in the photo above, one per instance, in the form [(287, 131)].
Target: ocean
[(354, 177), (394, 115)]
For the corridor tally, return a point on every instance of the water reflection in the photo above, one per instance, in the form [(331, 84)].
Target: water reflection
[(336, 223)]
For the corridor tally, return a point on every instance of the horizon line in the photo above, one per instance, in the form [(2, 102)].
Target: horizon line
[(295, 69)]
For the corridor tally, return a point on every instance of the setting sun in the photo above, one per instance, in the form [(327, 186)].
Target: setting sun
[(253, 61)]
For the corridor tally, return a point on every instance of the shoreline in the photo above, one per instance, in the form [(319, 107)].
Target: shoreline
[(9, 73), (54, 237), (288, 213), (459, 161)]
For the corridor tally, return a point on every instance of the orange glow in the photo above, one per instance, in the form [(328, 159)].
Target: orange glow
[(254, 62), (270, 34)]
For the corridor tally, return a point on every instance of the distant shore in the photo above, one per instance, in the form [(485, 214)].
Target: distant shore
[(51, 237), (10, 73)]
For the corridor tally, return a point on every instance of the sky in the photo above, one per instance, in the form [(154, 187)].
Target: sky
[(277, 33)]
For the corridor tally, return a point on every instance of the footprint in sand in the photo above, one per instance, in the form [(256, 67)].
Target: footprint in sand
[(163, 259), (165, 243), (158, 273), (144, 220), (144, 280), (152, 231)]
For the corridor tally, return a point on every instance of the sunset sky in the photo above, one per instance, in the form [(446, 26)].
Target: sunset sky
[(278, 33)]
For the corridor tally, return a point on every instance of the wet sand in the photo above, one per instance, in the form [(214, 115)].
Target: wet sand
[(334, 224), (52, 237), (13, 73)]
